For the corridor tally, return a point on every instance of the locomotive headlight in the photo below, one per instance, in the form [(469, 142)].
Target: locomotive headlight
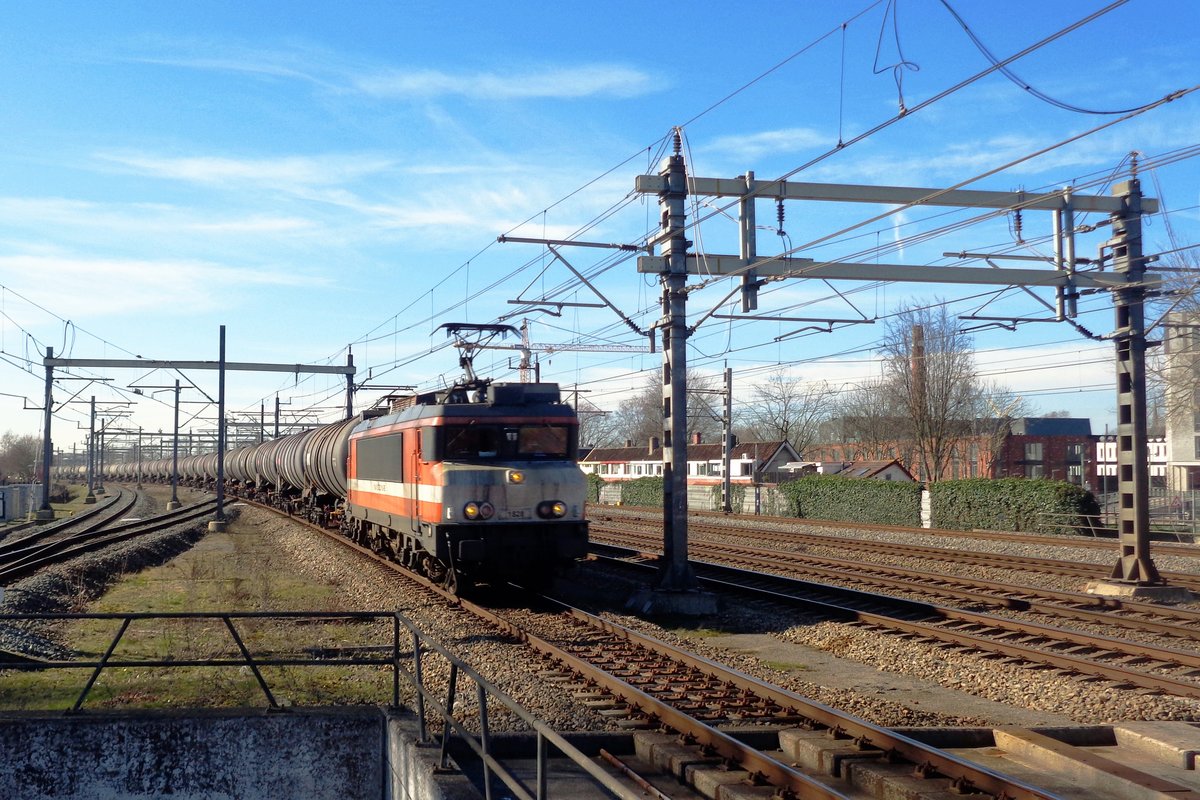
[(486, 510), (516, 476), (552, 509), (471, 511)]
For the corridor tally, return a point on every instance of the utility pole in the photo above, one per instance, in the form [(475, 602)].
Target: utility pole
[(727, 447), (91, 454), (219, 522), (100, 459), (349, 385), (174, 502), (1128, 281), (677, 589), (1134, 566), (45, 512), (920, 401)]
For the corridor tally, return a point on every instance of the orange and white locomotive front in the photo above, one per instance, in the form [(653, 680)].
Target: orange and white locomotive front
[(486, 489), (512, 494)]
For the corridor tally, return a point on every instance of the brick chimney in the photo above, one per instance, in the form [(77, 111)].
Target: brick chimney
[(696, 437), (653, 445)]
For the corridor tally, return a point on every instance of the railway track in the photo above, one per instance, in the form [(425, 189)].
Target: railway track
[(648, 523), (1178, 623), (19, 559), (649, 683), (1104, 540), (116, 506), (1072, 652)]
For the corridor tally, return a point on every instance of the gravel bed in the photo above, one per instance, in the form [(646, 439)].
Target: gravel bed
[(1083, 701), (519, 672), (513, 667)]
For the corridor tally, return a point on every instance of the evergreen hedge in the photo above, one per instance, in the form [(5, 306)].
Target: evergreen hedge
[(642, 492), (854, 500), (1034, 505), (737, 497), (594, 482)]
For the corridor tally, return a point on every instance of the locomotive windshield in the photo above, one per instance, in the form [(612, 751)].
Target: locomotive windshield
[(488, 442)]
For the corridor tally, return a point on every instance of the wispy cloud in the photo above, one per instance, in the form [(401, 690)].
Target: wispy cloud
[(287, 170), (339, 74), (142, 218), (115, 286), (557, 82), (767, 143)]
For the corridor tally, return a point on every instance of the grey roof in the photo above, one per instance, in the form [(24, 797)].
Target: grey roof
[(1052, 426)]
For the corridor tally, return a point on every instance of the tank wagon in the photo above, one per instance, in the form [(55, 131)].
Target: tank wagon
[(478, 483)]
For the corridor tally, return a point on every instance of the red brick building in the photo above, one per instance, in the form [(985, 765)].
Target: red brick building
[(1058, 448)]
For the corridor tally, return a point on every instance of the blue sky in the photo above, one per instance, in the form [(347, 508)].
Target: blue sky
[(319, 176)]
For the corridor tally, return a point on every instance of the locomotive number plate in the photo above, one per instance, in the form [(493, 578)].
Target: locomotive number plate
[(515, 513)]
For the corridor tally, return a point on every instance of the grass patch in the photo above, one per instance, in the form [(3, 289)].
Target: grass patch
[(238, 570), (699, 633), (785, 666)]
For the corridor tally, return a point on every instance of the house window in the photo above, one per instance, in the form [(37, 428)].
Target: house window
[(1075, 453), (1033, 451), (1034, 471)]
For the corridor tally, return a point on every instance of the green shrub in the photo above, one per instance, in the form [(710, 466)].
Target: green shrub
[(737, 497), (594, 482), (853, 500), (1034, 505), (642, 492)]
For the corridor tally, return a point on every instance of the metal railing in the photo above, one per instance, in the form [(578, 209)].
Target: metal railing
[(406, 663)]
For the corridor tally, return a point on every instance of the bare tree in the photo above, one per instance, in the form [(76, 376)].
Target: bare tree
[(929, 367), (866, 419), (786, 408), (597, 428), (995, 409), (19, 454), (640, 416)]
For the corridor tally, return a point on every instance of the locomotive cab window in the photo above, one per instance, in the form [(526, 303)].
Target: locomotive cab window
[(495, 442), (549, 441)]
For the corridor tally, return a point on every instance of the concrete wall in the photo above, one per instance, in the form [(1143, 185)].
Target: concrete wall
[(310, 753)]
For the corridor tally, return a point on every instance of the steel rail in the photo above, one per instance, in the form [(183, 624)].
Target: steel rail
[(739, 580), (1001, 561), (1061, 540), (105, 513), (80, 544), (1071, 605), (866, 735), (964, 773)]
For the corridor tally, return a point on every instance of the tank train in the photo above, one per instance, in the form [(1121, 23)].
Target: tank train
[(473, 484)]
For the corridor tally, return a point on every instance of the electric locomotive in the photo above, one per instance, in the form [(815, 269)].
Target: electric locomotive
[(477, 482)]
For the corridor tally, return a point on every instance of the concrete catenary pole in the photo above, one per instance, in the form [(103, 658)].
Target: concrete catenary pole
[(174, 502), (676, 574), (91, 453), (218, 521), (727, 445), (1134, 566), (45, 512)]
